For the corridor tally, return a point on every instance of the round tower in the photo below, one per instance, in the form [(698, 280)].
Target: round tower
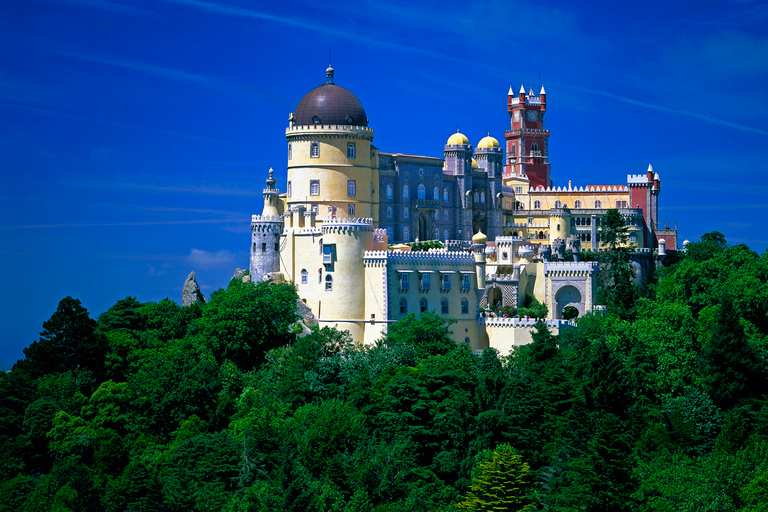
[(265, 233), (345, 239), (331, 158), (490, 156), (479, 243)]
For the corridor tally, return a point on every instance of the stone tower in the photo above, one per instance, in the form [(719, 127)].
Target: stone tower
[(527, 140), (489, 157), (265, 233)]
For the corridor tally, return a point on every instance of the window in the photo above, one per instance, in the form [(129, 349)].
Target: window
[(598, 204), (328, 282), (466, 282), (389, 234), (404, 283), (535, 150), (403, 306), (263, 247), (423, 305), (421, 191), (518, 189), (320, 276), (436, 194), (437, 234), (314, 150), (405, 191), (477, 197), (314, 187), (350, 150), (277, 247), (406, 235), (446, 281), (444, 306), (445, 235), (464, 307), (633, 238), (537, 205), (466, 340), (290, 151), (445, 195), (290, 189), (389, 191), (425, 281), (558, 204), (351, 187), (328, 254), (351, 209), (445, 215), (621, 204), (303, 276), (577, 204), (405, 213), (389, 211), (482, 197)]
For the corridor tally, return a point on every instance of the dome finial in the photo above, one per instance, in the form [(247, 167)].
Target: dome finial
[(329, 70)]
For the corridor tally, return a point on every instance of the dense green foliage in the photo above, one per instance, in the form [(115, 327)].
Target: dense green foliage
[(659, 405)]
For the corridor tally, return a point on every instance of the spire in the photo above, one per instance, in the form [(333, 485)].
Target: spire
[(329, 74), (530, 91), (522, 89), (510, 93), (650, 168), (542, 91)]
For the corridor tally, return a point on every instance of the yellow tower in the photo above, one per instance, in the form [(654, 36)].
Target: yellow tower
[(332, 163)]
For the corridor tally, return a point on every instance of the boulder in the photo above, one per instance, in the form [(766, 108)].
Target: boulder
[(275, 277), (305, 313), (191, 291), (239, 273)]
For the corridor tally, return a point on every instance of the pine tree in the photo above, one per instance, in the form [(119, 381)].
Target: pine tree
[(502, 485)]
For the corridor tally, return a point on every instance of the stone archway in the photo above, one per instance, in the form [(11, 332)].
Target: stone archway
[(568, 296), (494, 297)]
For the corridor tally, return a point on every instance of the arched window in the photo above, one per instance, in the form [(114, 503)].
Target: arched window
[(421, 191), (328, 282), (389, 211), (405, 213), (482, 197), (537, 205), (437, 234), (290, 151), (445, 214), (406, 235), (314, 150), (290, 189), (351, 187), (445, 235), (467, 340), (389, 233), (303, 276), (577, 204), (464, 307), (436, 194), (320, 276), (598, 204), (423, 305), (477, 197), (558, 204), (445, 195), (403, 306), (389, 191), (444, 306), (541, 235), (535, 149), (405, 191), (633, 238), (351, 209)]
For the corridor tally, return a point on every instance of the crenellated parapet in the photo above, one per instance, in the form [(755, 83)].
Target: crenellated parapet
[(570, 268), (441, 257), (588, 188), (526, 323), (347, 224), (266, 218)]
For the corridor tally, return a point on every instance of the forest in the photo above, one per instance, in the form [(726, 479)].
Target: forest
[(659, 404)]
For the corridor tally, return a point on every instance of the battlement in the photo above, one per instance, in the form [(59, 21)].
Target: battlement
[(522, 322), (271, 191), (504, 240), (529, 100), (588, 188), (440, 256), (335, 224), (501, 278), (314, 128), (511, 224), (570, 267), (637, 179), (527, 131), (266, 218), (379, 235)]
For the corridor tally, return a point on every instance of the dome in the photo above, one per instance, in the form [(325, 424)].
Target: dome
[(475, 165), (487, 143), (479, 238), (458, 139), (330, 104)]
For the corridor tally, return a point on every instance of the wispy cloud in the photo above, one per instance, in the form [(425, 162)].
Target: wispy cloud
[(206, 260), (117, 224), (211, 190)]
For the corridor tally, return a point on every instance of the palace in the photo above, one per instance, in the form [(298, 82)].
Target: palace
[(339, 231)]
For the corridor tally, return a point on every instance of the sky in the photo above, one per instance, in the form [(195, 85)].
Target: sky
[(135, 137)]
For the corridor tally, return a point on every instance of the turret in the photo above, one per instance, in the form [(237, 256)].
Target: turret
[(266, 230), (543, 95), (521, 95), (479, 243)]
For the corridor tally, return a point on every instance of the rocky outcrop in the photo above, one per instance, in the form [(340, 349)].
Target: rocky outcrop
[(305, 313), (239, 273), (191, 291), (275, 277)]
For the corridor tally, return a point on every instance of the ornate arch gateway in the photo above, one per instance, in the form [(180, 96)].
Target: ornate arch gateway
[(566, 296)]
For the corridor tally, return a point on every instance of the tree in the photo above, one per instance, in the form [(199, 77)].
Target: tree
[(428, 333), (616, 287), (503, 484)]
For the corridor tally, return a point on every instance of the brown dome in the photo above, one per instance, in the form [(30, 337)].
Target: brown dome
[(330, 104)]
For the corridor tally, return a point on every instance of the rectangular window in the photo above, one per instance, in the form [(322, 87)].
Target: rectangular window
[(277, 247), (351, 188), (446, 282), (425, 281), (290, 151), (403, 281), (314, 150), (290, 189), (314, 187), (518, 190), (621, 204), (350, 150), (263, 247), (328, 254), (466, 282)]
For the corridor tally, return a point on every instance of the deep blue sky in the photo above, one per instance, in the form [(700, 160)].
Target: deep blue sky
[(135, 137)]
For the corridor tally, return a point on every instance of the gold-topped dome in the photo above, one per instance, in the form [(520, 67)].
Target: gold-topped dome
[(487, 142), (458, 139), (479, 238), (475, 165)]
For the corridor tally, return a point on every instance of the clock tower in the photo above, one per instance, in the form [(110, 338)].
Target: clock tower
[(527, 140)]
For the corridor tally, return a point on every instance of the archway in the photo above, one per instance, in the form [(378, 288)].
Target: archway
[(568, 297), (423, 228), (494, 297)]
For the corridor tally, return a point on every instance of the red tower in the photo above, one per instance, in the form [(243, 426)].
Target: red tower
[(527, 140)]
